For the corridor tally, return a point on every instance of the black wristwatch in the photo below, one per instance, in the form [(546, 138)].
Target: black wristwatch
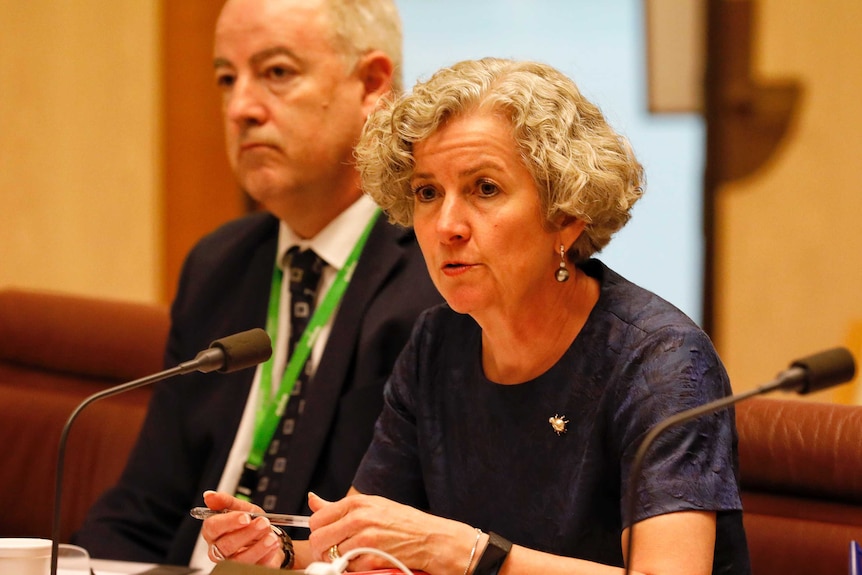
[(493, 556)]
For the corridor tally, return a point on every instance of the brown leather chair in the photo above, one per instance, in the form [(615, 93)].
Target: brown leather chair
[(56, 350), (801, 475)]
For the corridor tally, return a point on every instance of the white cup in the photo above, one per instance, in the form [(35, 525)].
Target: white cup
[(72, 560), (25, 556)]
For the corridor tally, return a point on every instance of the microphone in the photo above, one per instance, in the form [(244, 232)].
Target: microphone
[(812, 373), (228, 354)]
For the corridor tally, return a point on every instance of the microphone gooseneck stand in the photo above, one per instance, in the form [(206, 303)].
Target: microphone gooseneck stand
[(227, 354), (813, 373)]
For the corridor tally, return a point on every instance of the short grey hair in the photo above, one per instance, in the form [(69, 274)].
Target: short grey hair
[(360, 26), (582, 167)]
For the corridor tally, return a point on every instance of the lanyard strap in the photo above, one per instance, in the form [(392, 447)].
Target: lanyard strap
[(270, 409)]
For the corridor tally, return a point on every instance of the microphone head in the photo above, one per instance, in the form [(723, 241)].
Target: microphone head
[(825, 369), (243, 349)]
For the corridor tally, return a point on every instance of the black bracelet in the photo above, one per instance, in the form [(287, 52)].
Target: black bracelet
[(493, 556), (286, 548)]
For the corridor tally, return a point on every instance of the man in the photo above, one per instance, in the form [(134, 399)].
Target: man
[(298, 79)]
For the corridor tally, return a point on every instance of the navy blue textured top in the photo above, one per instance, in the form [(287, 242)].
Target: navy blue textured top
[(458, 445)]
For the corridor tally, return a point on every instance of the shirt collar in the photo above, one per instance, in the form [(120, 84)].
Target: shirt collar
[(334, 242)]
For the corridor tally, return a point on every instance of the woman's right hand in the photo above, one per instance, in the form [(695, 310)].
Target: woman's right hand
[(238, 537)]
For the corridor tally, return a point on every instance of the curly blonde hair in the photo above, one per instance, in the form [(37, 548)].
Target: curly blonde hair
[(582, 167)]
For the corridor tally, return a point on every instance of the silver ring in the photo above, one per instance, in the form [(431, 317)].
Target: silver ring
[(333, 553), (216, 552)]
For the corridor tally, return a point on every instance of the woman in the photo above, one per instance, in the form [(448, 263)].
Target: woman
[(515, 410)]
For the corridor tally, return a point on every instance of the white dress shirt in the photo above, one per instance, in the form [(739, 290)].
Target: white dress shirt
[(333, 244)]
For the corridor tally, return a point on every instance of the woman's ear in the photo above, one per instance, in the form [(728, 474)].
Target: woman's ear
[(571, 229), (375, 70)]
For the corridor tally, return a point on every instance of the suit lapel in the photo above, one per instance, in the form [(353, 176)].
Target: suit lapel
[(244, 283), (379, 259)]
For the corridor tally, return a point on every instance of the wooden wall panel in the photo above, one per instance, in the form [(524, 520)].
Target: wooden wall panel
[(200, 190), (80, 147), (788, 259)]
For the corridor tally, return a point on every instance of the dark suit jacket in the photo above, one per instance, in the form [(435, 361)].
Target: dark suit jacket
[(192, 420)]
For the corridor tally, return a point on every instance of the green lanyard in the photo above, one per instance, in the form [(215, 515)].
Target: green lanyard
[(270, 409)]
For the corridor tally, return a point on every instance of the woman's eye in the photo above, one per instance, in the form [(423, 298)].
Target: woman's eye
[(487, 188), (424, 193)]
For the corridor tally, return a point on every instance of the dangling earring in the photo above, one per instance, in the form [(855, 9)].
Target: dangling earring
[(562, 273)]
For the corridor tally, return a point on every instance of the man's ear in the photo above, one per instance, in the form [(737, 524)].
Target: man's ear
[(375, 70)]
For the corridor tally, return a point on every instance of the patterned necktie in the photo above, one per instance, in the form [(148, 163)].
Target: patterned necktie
[(304, 276)]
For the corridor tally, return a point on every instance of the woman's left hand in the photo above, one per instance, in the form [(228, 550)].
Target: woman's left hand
[(415, 538)]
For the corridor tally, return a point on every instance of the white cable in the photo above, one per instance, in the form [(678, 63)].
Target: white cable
[(339, 566)]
